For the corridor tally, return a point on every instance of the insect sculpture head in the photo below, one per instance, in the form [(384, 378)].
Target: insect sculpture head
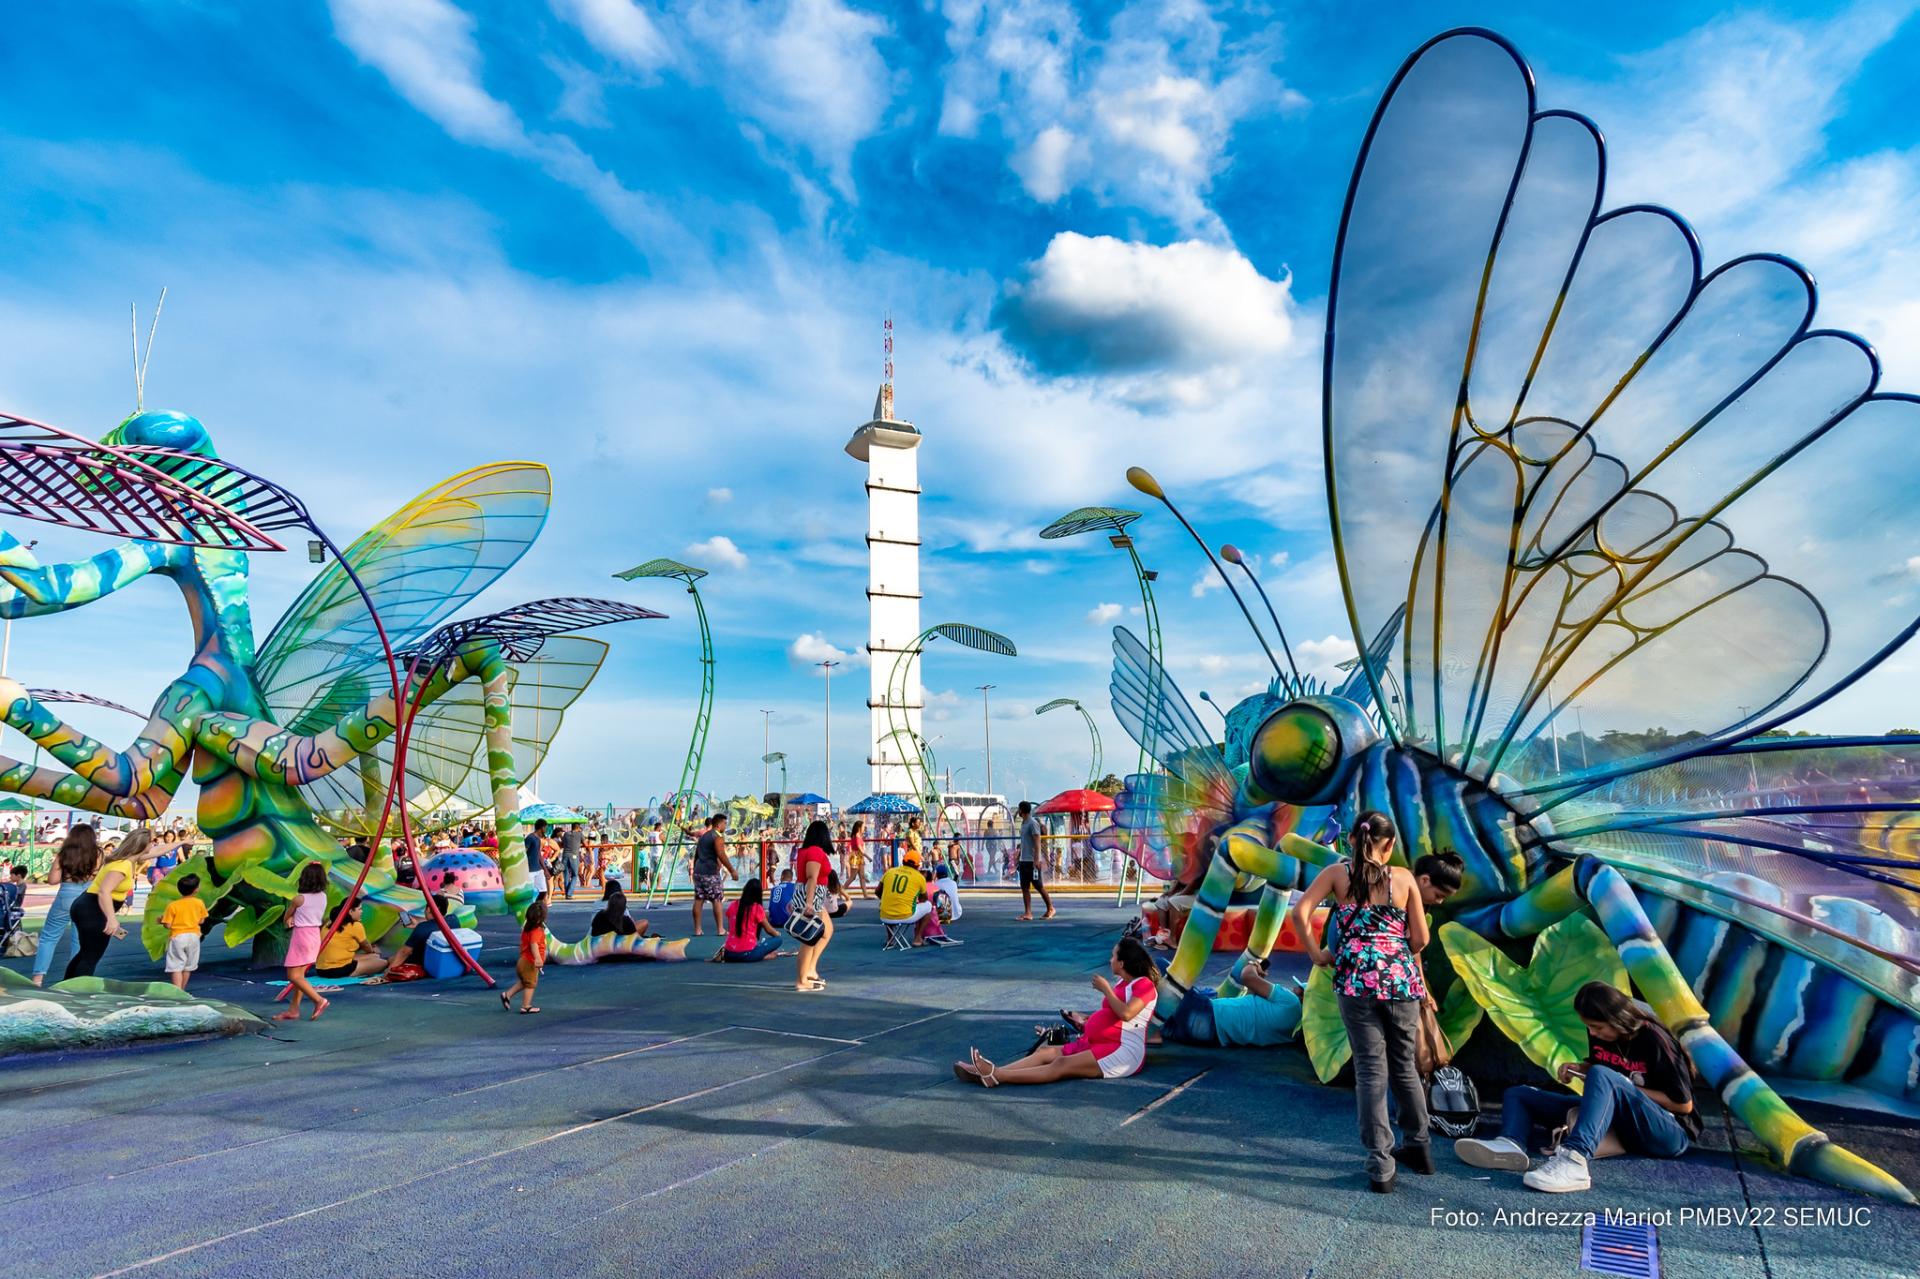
[(1306, 751)]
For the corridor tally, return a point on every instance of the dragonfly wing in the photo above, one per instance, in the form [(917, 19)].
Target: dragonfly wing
[(1591, 471), (419, 565), (544, 689), (1812, 842)]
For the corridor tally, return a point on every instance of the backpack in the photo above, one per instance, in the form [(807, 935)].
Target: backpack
[(1453, 1103)]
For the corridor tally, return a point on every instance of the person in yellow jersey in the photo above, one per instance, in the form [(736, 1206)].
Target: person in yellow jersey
[(903, 896)]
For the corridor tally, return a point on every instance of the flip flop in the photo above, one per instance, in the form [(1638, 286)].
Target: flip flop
[(324, 1005), (504, 1001), (528, 1012), (288, 1015)]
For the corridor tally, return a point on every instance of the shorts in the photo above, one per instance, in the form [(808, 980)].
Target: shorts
[(1192, 1022), (538, 878), (338, 970), (1029, 874), (183, 952), (709, 888), (528, 974)]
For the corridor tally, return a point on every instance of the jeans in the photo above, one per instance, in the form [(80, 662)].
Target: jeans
[(1383, 1033), (54, 930), (1192, 1021), (90, 937), (569, 872), (1612, 1102), (761, 949)]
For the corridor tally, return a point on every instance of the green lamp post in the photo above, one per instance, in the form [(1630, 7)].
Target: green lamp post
[(662, 885)]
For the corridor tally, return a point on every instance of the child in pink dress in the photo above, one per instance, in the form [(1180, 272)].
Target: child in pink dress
[(307, 914)]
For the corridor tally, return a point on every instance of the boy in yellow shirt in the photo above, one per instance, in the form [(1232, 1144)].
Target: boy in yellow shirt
[(182, 920)]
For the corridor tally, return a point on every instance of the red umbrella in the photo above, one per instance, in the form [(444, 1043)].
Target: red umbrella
[(1078, 801)]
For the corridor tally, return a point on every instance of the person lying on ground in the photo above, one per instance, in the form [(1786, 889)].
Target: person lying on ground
[(1113, 1044), (1262, 1016), (1638, 1099)]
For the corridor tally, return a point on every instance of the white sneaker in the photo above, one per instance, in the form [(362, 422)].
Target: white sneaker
[(1566, 1170), (1501, 1153)]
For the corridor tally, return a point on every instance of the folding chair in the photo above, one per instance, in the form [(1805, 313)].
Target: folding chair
[(899, 933)]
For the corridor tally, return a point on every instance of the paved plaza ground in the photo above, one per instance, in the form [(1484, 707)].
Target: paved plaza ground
[(699, 1119)]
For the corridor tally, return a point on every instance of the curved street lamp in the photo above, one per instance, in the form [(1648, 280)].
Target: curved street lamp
[(1093, 730), (702, 716), (920, 760)]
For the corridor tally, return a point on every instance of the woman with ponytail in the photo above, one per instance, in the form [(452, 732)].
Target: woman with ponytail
[(1382, 928)]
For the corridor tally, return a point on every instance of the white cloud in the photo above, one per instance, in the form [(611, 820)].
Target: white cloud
[(1042, 165), (718, 549), (1102, 614), (1322, 657), (806, 69), (812, 648), (719, 495), (427, 51), (1138, 114), (1169, 322), (620, 29)]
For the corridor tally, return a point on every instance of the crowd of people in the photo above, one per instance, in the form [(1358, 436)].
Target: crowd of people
[(1637, 1082)]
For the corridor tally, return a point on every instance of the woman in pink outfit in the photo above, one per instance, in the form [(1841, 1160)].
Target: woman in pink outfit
[(1113, 1043)]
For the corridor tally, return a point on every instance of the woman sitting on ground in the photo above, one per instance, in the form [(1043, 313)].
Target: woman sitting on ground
[(613, 918), (1113, 1043), (751, 936), (1638, 1099)]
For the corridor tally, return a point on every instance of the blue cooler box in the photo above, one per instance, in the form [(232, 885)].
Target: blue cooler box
[(440, 960)]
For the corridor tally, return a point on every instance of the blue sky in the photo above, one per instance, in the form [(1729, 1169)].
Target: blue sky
[(651, 244)]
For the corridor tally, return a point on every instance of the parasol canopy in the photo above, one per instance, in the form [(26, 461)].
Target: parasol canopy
[(811, 798), (555, 814), (1078, 801), (885, 804)]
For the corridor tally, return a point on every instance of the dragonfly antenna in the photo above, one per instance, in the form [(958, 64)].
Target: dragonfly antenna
[(139, 359)]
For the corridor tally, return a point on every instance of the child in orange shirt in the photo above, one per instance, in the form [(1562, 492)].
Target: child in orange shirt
[(182, 920), (533, 957)]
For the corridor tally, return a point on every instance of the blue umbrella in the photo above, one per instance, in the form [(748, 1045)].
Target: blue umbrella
[(885, 804), (554, 813), (808, 798)]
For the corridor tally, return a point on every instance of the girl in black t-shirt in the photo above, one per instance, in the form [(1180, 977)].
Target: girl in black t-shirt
[(1637, 1098)]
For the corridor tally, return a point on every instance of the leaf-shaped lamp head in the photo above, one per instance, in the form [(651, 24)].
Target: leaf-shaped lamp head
[(1055, 705), (1089, 519), (664, 568), (975, 637)]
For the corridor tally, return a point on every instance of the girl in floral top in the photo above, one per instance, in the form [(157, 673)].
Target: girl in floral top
[(1375, 959)]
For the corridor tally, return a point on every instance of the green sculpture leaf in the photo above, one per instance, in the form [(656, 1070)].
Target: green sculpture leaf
[(245, 923), (1533, 1006), (166, 893), (1459, 1016), (1320, 1025)]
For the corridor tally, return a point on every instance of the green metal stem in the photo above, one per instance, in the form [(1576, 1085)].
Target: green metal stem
[(696, 750)]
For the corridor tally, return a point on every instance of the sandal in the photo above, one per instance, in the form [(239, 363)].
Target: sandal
[(324, 1005), (505, 1002), (965, 1073), (528, 1012), (288, 1015)]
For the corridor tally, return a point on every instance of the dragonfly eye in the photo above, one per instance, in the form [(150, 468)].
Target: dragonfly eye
[(1305, 750)]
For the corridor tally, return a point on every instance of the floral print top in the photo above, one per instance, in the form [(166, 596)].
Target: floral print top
[(1373, 960)]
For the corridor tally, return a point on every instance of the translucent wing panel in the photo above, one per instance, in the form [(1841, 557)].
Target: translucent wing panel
[(446, 750), (419, 565), (1869, 932), (57, 477), (1614, 493)]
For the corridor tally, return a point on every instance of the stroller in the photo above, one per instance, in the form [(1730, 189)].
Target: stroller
[(13, 919)]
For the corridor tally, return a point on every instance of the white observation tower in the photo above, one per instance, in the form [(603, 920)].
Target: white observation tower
[(887, 446)]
